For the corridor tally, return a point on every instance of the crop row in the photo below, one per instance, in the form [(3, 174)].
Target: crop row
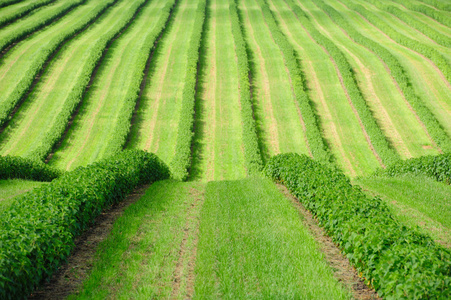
[(399, 74), (18, 13), (97, 51), (438, 4), (397, 261), (437, 15), (313, 132), (182, 158), (378, 140), (12, 167), (41, 58), (417, 46), (252, 153), (4, 3), (41, 21), (435, 166), (37, 232)]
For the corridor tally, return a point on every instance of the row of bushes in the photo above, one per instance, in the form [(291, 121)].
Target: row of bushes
[(397, 261), (8, 2), (437, 15), (315, 140), (252, 155), (12, 167), (122, 126), (37, 232), (435, 166), (399, 74), (378, 140), (21, 11), (438, 4), (182, 158), (44, 20), (75, 95), (41, 57), (435, 56)]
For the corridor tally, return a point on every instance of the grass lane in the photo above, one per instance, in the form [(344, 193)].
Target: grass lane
[(416, 201), (14, 12), (50, 105), (275, 106), (92, 135), (253, 244), (219, 149), (158, 115), (11, 188)]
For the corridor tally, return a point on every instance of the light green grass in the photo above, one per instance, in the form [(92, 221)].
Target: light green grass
[(275, 105), (12, 12), (11, 188), (92, 133), (219, 139), (415, 201), (158, 115), (253, 245), (139, 258)]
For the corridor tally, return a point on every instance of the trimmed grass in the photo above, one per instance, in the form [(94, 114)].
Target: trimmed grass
[(11, 188), (253, 245), (415, 200)]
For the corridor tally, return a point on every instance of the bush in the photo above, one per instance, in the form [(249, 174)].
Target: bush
[(12, 167)]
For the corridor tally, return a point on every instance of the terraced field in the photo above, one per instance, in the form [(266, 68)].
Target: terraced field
[(220, 90)]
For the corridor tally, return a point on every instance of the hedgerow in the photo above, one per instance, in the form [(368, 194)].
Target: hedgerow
[(45, 20), (435, 56), (182, 158), (438, 4), (8, 2), (378, 139), (37, 232), (12, 167), (435, 166), (315, 140), (437, 15), (398, 72), (254, 162), (397, 261), (42, 56), (23, 11)]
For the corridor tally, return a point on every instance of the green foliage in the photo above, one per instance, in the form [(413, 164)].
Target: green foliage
[(254, 162), (19, 12), (378, 140), (37, 232), (435, 166), (17, 167), (398, 262), (438, 4), (41, 57), (439, 16), (182, 158), (399, 74), (44, 20), (8, 2)]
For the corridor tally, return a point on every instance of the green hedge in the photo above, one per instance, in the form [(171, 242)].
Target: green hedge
[(254, 162), (438, 4), (397, 261), (23, 11), (12, 167), (182, 158), (37, 232), (9, 2), (437, 15)]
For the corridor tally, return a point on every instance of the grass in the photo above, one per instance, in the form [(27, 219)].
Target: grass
[(92, 133), (11, 188), (253, 245), (13, 12), (219, 138), (276, 110), (158, 115), (416, 201)]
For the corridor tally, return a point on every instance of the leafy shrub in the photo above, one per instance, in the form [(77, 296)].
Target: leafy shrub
[(397, 261), (37, 232), (17, 167)]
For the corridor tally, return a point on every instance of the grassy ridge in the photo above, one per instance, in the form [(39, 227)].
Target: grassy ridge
[(13, 12), (12, 188), (428, 11)]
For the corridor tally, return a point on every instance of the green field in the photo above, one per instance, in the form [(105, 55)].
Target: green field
[(220, 91)]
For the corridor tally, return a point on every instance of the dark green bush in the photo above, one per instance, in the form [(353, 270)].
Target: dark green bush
[(12, 167)]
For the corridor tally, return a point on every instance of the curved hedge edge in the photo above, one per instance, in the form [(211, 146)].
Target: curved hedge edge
[(8, 2), (399, 74), (254, 161), (428, 11), (380, 143), (37, 232), (22, 12), (436, 166), (12, 167), (397, 261), (182, 158)]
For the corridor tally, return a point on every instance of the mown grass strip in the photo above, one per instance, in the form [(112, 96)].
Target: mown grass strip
[(398, 262), (181, 162), (26, 26), (254, 162), (10, 189), (12, 13), (399, 74), (376, 136), (21, 65), (37, 232)]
